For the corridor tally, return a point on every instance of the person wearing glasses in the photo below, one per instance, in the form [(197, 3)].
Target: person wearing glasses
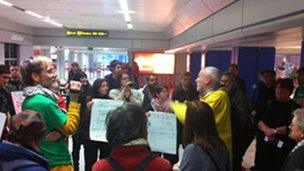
[(295, 159), (124, 91)]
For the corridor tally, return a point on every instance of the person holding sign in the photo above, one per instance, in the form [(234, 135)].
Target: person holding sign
[(295, 160), (100, 90), (38, 74), (125, 92), (204, 149), (127, 133)]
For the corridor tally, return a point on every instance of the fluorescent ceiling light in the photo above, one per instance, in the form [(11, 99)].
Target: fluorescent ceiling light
[(130, 26), (6, 3), (55, 23), (105, 49), (127, 18), (34, 14), (48, 20), (124, 5), (126, 12)]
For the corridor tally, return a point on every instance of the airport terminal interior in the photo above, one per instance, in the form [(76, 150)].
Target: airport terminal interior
[(181, 45)]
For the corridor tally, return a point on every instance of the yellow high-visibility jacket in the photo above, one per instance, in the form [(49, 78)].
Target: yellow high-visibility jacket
[(219, 101)]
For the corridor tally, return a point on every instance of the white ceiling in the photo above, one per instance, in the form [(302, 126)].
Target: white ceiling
[(286, 41), (149, 15)]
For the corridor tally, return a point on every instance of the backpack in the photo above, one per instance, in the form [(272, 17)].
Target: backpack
[(17, 164), (141, 167)]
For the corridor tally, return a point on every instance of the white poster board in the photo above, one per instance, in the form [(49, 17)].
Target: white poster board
[(2, 122), (100, 109), (17, 98), (162, 132)]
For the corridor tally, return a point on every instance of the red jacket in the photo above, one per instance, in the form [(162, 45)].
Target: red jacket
[(129, 157)]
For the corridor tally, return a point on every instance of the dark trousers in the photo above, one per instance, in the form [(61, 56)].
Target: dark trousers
[(269, 157), (75, 151), (90, 152)]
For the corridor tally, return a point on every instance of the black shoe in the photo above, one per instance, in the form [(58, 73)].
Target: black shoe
[(254, 167)]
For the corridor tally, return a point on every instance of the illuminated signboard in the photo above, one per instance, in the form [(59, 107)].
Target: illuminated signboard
[(86, 33), (155, 63)]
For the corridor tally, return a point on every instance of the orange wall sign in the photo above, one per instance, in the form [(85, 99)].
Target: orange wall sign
[(155, 63)]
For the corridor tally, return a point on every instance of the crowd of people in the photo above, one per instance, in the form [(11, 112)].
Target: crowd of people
[(217, 121)]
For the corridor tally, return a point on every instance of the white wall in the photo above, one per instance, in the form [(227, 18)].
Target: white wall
[(25, 52), (241, 19), (1, 53)]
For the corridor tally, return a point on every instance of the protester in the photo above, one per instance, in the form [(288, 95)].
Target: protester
[(100, 90), (295, 159), (38, 74), (125, 92), (15, 83), (273, 143), (185, 91), (161, 101), (148, 90), (115, 68), (130, 149), (212, 93), (263, 93), (79, 136), (6, 103), (55, 87), (21, 152), (241, 124), (234, 69), (73, 71), (299, 93), (204, 149)]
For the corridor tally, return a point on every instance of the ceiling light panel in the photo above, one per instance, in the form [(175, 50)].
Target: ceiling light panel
[(6, 3), (34, 14)]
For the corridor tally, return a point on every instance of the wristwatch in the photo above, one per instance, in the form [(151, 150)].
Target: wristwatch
[(275, 131)]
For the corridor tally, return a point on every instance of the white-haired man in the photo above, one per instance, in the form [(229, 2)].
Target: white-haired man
[(208, 84)]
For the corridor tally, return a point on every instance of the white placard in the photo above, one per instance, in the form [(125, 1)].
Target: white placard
[(100, 109), (162, 132), (17, 97), (2, 122)]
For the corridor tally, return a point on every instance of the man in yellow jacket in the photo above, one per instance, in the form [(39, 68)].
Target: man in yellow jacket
[(208, 84)]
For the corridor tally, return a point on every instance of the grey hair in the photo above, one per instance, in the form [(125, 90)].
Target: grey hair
[(213, 73), (299, 113)]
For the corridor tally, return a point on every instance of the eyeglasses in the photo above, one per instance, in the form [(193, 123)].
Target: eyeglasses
[(125, 78)]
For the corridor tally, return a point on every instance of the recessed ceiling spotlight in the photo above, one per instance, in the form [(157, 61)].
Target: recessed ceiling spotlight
[(130, 26)]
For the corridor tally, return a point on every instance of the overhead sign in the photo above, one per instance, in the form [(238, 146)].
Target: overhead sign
[(86, 33)]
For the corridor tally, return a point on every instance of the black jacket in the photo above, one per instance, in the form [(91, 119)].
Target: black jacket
[(6, 103), (295, 160)]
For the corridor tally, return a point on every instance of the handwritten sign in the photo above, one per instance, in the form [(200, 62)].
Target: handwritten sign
[(2, 122), (162, 132), (100, 109), (17, 97)]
